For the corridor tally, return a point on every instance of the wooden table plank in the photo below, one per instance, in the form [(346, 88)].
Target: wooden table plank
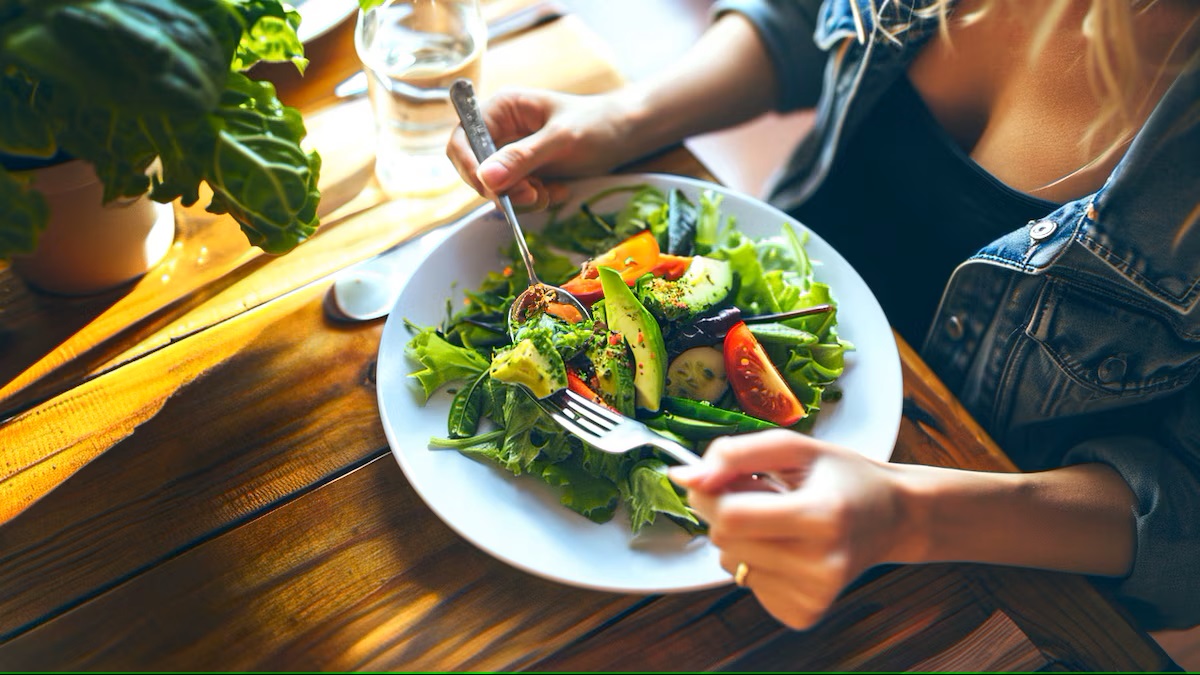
[(184, 443), (378, 583)]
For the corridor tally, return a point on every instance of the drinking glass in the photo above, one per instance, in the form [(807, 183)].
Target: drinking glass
[(411, 50)]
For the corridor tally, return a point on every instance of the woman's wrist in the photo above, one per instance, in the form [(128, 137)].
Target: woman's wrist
[(1077, 518), (914, 499)]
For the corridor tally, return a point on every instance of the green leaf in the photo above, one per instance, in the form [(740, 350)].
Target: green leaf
[(260, 175), (651, 493), (119, 83), (466, 409), (591, 496), (23, 213), (26, 129), (442, 361), (269, 34), (527, 431), (153, 56)]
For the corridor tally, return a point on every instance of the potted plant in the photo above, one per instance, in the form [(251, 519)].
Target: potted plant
[(152, 96)]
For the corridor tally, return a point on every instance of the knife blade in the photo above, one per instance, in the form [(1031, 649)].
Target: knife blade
[(503, 27)]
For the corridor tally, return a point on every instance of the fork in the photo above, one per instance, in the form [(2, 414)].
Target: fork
[(612, 432)]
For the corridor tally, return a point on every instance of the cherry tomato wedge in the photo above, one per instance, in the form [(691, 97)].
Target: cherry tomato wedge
[(756, 383), (632, 258), (576, 384), (671, 267)]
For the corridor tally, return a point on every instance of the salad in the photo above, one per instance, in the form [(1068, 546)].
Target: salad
[(696, 329)]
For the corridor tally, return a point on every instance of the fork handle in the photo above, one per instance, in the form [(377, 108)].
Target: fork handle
[(685, 456)]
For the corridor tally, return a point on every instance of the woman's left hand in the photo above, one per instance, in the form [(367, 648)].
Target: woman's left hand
[(844, 515)]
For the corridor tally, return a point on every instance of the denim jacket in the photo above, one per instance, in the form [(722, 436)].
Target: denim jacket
[(1076, 337)]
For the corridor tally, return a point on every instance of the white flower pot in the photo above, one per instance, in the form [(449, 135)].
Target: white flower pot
[(88, 247)]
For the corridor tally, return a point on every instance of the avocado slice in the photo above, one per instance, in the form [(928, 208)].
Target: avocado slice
[(706, 284), (628, 317), (533, 363), (612, 362)]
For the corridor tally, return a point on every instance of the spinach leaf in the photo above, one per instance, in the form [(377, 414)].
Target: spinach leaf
[(593, 497), (681, 224)]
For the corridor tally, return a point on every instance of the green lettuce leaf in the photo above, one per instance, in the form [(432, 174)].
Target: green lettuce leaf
[(649, 493), (442, 361)]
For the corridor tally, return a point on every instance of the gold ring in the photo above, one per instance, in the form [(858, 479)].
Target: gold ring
[(739, 576)]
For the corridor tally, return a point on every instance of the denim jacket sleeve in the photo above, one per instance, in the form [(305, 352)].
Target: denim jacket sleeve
[(786, 28)]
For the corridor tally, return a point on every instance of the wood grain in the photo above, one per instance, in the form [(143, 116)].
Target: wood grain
[(356, 575)]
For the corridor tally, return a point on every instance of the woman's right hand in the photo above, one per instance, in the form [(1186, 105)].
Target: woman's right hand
[(543, 137)]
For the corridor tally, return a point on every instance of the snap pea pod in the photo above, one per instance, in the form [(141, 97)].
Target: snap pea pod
[(706, 412)]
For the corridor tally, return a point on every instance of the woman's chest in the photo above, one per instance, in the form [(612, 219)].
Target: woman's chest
[(1024, 119)]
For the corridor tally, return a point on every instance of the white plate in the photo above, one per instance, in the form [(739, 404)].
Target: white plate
[(319, 16), (519, 519)]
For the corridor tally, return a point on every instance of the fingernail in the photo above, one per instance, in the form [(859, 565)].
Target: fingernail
[(492, 174)]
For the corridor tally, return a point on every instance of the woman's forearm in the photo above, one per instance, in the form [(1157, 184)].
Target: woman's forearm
[(1076, 519), (725, 78)]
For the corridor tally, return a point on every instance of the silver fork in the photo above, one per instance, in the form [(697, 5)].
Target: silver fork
[(610, 431)]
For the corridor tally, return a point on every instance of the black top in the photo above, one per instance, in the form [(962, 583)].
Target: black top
[(905, 205)]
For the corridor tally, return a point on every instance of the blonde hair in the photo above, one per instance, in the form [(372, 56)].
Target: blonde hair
[(1115, 63)]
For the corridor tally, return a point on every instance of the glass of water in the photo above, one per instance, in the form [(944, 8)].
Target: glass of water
[(411, 51)]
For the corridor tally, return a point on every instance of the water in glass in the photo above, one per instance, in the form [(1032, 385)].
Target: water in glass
[(412, 50)]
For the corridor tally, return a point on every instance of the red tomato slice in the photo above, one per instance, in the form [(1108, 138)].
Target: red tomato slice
[(756, 383), (576, 384), (632, 258)]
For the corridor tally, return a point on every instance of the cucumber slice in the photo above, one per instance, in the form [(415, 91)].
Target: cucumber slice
[(698, 373)]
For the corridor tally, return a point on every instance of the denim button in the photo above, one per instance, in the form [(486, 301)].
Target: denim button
[(1111, 370), (954, 328), (1042, 229)]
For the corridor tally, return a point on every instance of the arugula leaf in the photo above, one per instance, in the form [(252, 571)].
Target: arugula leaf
[(442, 361), (681, 224)]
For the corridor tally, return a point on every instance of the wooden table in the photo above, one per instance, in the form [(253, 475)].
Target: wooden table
[(193, 476)]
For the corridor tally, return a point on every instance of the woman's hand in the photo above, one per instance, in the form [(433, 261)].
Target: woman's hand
[(847, 513), (543, 136), (844, 515)]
